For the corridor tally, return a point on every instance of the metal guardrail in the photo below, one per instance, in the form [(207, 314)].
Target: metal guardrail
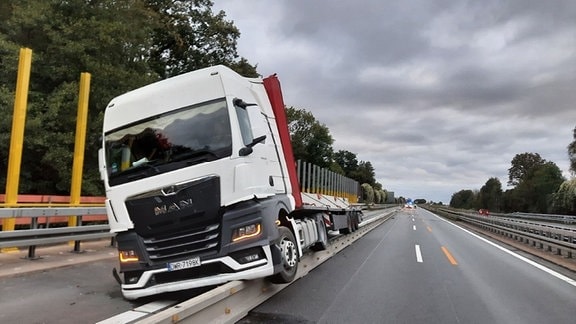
[(53, 235), (540, 235), (50, 211), (565, 219), (45, 236)]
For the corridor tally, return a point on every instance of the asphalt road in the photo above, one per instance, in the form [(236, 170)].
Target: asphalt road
[(419, 268), (414, 268), (77, 294)]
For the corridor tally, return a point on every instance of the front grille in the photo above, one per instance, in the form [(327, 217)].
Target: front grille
[(197, 241), (178, 221)]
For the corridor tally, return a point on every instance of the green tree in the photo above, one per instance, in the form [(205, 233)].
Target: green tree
[(464, 199), (364, 174), (311, 141), (188, 36), (564, 200), (490, 195), (377, 196), (547, 179), (534, 193), (67, 38), (367, 193), (572, 152), (384, 195), (118, 42), (523, 165), (347, 160)]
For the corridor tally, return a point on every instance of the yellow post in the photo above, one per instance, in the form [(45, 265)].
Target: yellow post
[(17, 137), (79, 144)]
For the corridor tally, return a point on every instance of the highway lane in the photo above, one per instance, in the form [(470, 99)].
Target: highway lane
[(414, 268), (419, 268), (83, 293)]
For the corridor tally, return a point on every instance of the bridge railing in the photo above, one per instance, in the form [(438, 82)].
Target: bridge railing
[(35, 236)]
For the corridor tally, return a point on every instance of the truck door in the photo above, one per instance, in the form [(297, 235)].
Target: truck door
[(260, 169)]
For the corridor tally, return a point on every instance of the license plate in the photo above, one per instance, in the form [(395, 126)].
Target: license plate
[(186, 264)]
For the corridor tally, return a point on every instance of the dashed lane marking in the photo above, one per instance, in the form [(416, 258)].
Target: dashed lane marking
[(449, 256), (418, 254)]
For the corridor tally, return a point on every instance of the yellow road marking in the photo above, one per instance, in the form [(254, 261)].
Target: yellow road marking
[(449, 256)]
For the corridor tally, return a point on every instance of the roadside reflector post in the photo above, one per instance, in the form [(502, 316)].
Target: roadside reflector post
[(79, 146), (17, 139)]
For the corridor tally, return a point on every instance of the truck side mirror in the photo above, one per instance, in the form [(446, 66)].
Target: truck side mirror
[(247, 150)]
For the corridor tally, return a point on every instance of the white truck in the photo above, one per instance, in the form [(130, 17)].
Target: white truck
[(202, 187)]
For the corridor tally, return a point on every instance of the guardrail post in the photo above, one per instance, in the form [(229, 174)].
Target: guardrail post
[(32, 248), (77, 243)]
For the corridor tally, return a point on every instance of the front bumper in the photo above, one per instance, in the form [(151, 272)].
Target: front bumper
[(257, 269)]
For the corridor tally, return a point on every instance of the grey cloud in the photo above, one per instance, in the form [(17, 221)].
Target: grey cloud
[(438, 95)]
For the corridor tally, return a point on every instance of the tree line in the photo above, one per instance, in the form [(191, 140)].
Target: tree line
[(538, 186), (124, 45), (312, 142)]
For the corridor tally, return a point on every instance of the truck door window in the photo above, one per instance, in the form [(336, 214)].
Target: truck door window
[(245, 127)]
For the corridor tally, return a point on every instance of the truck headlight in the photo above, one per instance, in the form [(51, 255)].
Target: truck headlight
[(127, 256), (245, 232)]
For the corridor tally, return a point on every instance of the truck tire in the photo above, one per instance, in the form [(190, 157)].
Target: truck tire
[(289, 252)]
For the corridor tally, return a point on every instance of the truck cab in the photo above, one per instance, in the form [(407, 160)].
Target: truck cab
[(201, 184)]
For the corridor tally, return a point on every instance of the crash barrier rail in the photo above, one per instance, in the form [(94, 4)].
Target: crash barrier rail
[(44, 236), (231, 302), (52, 202), (545, 236), (565, 219)]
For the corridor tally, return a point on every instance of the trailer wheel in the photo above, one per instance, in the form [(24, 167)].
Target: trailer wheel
[(289, 253)]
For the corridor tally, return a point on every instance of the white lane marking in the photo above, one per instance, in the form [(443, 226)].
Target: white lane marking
[(418, 253), (414, 227), (516, 255)]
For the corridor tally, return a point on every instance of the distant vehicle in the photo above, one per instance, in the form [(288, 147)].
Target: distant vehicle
[(409, 204)]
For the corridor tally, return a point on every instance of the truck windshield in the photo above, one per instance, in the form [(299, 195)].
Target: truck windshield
[(168, 141)]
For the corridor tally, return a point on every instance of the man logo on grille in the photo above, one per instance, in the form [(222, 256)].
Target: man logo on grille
[(174, 206)]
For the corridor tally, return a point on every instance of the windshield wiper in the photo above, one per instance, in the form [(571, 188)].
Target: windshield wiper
[(189, 155), (134, 171)]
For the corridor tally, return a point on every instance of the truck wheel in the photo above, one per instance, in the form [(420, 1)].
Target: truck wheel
[(289, 253)]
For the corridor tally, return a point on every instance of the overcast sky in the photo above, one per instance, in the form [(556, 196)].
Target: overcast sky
[(438, 95)]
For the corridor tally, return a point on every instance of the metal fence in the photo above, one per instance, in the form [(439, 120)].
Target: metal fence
[(43, 236), (314, 179)]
